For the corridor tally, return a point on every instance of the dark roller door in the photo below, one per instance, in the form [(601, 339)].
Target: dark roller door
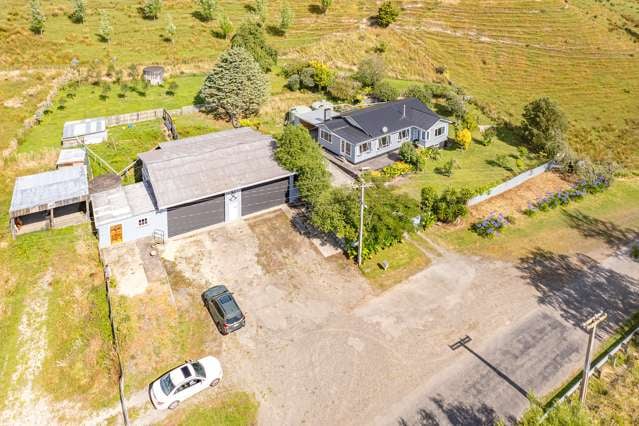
[(190, 217), (264, 196)]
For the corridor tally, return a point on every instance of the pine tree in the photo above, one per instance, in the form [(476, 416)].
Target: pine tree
[(286, 18), (151, 9), (226, 26), (79, 11), (37, 17), (170, 29), (207, 9), (251, 37), (236, 87), (106, 31)]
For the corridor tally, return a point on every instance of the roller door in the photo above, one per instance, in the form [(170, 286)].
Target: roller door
[(264, 196), (193, 216)]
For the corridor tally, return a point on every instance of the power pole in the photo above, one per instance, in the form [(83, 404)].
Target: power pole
[(590, 325), (362, 205)]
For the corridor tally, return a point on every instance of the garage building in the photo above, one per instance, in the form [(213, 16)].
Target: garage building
[(194, 183)]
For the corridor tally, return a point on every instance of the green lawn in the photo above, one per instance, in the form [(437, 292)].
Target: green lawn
[(86, 103), (607, 214), (232, 409), (405, 259), (476, 168)]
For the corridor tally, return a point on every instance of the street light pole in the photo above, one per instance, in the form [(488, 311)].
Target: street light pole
[(590, 325)]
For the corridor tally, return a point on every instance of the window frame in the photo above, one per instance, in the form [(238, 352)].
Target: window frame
[(342, 148), (366, 144), (407, 136), (381, 143), (440, 131), (326, 133)]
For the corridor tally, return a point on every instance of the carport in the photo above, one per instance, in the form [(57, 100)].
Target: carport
[(49, 200)]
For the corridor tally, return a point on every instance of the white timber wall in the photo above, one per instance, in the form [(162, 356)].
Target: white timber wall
[(132, 230)]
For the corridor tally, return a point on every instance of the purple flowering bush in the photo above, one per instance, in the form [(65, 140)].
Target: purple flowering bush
[(491, 225), (555, 199)]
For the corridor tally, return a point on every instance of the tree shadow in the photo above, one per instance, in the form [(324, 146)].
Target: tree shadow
[(456, 413), (578, 287), (218, 34), (197, 14), (250, 8), (616, 237), (510, 134), (274, 30), (315, 9)]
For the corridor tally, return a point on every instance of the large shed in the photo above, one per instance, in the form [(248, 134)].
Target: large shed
[(80, 132), (214, 178), (49, 200)]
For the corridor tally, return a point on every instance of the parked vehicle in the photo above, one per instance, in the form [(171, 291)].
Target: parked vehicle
[(221, 304), (185, 381)]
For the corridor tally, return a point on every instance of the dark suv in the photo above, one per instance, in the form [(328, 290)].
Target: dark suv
[(223, 309)]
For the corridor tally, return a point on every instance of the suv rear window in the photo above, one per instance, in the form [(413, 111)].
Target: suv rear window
[(228, 305)]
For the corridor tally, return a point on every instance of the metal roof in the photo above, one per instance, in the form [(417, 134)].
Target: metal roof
[(194, 168), (75, 155), (316, 117), (48, 190), (79, 128), (370, 123), (121, 203)]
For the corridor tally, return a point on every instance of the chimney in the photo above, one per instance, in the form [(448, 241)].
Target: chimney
[(326, 110), (404, 112)]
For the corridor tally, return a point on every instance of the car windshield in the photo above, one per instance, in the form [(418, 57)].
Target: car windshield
[(199, 370), (166, 384), (229, 306)]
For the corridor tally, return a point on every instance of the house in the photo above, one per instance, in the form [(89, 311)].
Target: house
[(89, 131), (71, 158), (366, 133), (194, 183), (310, 118), (49, 200)]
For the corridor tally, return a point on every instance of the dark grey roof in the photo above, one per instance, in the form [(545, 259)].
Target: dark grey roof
[(194, 168), (368, 123)]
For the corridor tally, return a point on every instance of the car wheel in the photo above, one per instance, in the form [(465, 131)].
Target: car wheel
[(215, 382), (174, 405)]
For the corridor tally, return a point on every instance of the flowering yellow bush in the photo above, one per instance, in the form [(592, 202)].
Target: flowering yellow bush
[(464, 138), (397, 169)]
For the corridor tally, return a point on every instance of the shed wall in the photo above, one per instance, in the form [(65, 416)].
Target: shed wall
[(131, 231)]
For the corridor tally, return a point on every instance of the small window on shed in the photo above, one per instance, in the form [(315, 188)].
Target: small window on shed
[(143, 222)]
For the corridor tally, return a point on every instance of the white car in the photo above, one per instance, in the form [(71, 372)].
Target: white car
[(185, 381)]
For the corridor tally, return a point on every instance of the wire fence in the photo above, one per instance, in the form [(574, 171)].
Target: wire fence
[(151, 114)]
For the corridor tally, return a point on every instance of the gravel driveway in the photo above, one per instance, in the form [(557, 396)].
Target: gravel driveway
[(320, 348)]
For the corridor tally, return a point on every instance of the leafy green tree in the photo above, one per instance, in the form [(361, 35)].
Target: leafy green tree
[(421, 92), (470, 121), (451, 205), (250, 36), (428, 198), (79, 11), (370, 71), (336, 212), (307, 77), (488, 136), (286, 18), (345, 89), (236, 87), (544, 126), (325, 5), (409, 154), (151, 9), (294, 83), (207, 9), (455, 106), (37, 17), (298, 152), (226, 26), (170, 30), (387, 13), (322, 74), (105, 32), (385, 92)]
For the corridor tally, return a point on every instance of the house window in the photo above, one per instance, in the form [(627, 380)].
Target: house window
[(346, 148), (423, 134), (439, 131), (428, 135), (326, 136), (364, 148), (404, 134), (143, 222), (384, 141)]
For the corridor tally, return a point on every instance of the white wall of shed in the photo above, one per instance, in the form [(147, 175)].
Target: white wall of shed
[(131, 231)]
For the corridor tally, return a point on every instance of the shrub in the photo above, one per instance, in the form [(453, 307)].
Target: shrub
[(464, 138), (432, 153), (151, 9), (251, 122), (370, 71), (37, 17), (470, 121), (387, 14), (397, 169), (522, 152), (380, 47), (307, 78), (260, 10), (385, 92), (490, 226), (488, 136), (345, 89), (455, 106), (634, 252), (207, 9), (561, 198), (105, 31), (325, 5), (170, 30), (322, 74), (421, 92), (79, 11), (410, 155), (286, 18), (520, 164), (428, 198), (503, 161), (294, 82), (447, 168), (452, 204), (544, 126), (226, 26), (250, 36), (173, 86)]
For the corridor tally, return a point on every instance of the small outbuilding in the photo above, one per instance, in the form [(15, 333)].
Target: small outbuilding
[(71, 158), (81, 132), (49, 200), (154, 75)]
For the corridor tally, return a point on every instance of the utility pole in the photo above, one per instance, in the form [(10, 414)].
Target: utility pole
[(362, 186), (590, 325)]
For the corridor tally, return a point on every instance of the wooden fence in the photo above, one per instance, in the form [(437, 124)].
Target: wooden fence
[(152, 114), (510, 184)]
